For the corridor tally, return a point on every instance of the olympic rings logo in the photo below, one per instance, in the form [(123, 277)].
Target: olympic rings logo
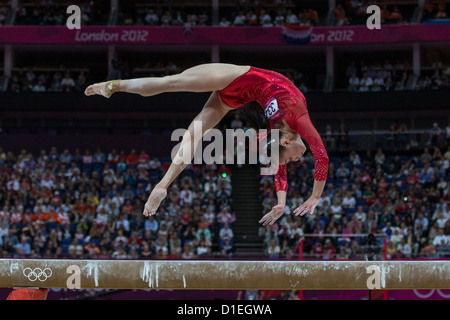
[(37, 274), (429, 294)]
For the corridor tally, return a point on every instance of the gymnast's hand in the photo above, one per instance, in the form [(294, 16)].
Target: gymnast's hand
[(308, 205), (154, 200), (273, 215)]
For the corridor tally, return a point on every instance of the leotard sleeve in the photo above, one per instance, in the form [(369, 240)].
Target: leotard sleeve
[(308, 132), (281, 178)]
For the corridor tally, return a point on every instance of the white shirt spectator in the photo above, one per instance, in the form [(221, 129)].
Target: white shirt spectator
[(291, 18), (102, 218), (187, 195), (379, 80), (266, 21), (154, 164), (405, 249), (336, 211), (13, 185), (210, 187), (226, 234), (361, 216), (118, 200), (224, 23), (125, 223), (4, 230), (279, 19), (209, 216), (152, 18), (441, 222), (39, 87), (355, 159), (240, 20), (349, 202), (67, 81), (354, 81), (396, 237), (297, 231), (322, 199), (47, 183), (441, 238), (367, 81)]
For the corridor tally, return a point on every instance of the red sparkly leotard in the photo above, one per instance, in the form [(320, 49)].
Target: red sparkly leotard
[(279, 98)]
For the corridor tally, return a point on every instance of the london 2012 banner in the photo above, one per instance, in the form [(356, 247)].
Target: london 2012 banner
[(283, 36)]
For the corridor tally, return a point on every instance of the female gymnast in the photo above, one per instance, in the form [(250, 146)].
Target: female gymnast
[(268, 100)]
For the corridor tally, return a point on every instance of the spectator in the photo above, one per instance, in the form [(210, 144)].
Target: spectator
[(240, 19), (224, 22), (265, 19), (75, 249), (329, 250), (39, 87), (352, 70), (353, 82), (67, 83), (187, 252), (23, 248), (226, 233), (291, 18), (349, 201), (279, 19), (380, 158), (366, 80), (226, 249), (441, 240), (343, 171), (274, 250), (236, 123), (435, 135), (152, 18), (329, 139)]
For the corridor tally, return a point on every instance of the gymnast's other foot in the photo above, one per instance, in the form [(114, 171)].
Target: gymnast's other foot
[(154, 200), (105, 89)]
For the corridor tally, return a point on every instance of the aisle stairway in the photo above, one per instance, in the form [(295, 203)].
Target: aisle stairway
[(247, 207)]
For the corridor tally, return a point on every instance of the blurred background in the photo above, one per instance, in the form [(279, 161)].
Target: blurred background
[(76, 171)]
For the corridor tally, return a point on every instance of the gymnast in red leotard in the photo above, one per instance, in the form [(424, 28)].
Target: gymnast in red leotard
[(266, 99)]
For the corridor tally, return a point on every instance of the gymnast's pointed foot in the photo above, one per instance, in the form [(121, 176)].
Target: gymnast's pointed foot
[(154, 200), (106, 89)]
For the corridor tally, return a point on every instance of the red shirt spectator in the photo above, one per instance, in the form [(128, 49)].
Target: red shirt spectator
[(329, 251), (186, 217), (136, 238), (317, 249), (132, 158), (403, 207)]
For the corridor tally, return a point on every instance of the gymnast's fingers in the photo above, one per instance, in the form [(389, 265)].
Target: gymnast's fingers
[(265, 220), (306, 209)]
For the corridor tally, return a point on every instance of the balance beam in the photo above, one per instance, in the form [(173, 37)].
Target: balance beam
[(218, 275)]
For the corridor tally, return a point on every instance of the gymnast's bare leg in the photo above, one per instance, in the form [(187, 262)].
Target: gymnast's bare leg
[(202, 78)]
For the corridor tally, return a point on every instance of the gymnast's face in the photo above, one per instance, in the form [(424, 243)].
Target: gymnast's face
[(293, 150)]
